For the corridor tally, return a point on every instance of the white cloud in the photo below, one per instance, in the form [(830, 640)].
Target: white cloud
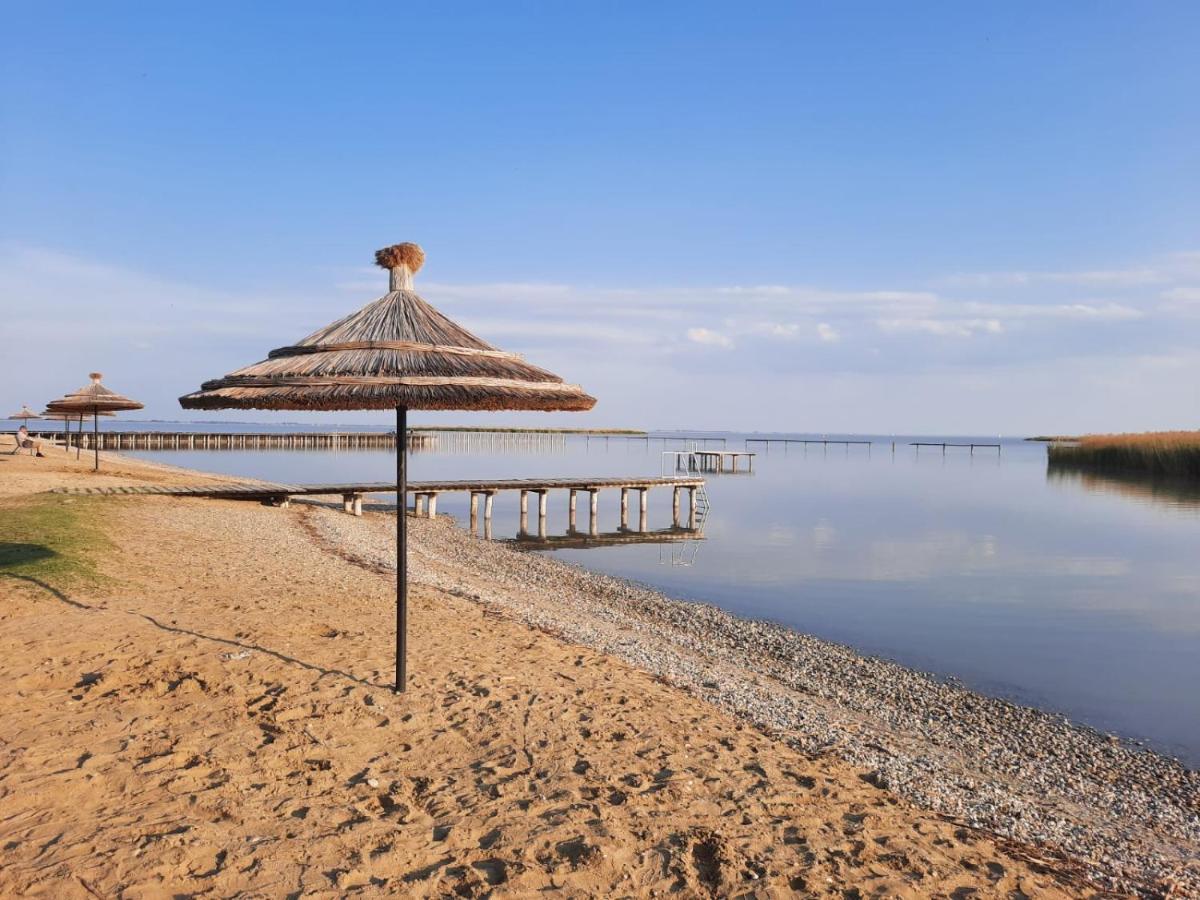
[(709, 337), (140, 326), (1111, 277), (959, 328), (1182, 295), (1111, 312)]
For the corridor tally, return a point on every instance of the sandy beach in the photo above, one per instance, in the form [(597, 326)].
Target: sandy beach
[(198, 703)]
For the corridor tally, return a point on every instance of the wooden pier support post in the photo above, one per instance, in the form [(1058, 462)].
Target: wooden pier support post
[(419, 505), (474, 511), (432, 505), (624, 507), (542, 513), (487, 513), (675, 507), (691, 507), (642, 517), (524, 526), (347, 503), (357, 505), (571, 510), (594, 523)]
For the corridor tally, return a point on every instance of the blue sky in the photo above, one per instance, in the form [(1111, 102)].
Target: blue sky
[(826, 216)]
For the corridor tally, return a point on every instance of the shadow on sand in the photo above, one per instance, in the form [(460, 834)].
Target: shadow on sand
[(30, 555)]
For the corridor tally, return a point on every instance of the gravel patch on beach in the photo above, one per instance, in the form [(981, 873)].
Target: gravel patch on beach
[(1129, 815)]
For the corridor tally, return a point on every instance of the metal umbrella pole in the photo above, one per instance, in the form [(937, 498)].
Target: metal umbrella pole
[(401, 548)]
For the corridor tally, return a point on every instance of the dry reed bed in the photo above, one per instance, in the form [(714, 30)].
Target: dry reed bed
[(1168, 453)]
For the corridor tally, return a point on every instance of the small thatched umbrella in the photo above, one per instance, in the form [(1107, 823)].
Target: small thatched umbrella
[(93, 399), (67, 419), (26, 414), (395, 353)]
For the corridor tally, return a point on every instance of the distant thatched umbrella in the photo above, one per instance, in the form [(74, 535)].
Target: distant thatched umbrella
[(395, 353), (93, 399), (26, 414), (67, 419)]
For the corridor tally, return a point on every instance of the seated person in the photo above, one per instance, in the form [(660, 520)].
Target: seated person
[(25, 443)]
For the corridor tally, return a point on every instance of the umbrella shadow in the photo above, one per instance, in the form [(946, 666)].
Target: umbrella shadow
[(257, 648), (13, 554), (37, 582), (31, 554)]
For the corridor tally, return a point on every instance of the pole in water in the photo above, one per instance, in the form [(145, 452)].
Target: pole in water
[(401, 548)]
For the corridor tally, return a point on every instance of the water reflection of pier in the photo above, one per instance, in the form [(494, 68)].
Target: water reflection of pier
[(586, 540)]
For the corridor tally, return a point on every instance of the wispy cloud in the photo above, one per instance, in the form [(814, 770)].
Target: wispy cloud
[(709, 338), (1109, 277), (959, 328)]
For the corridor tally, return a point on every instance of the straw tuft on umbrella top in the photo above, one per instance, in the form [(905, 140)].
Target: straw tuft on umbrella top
[(399, 353), (395, 352), (409, 255)]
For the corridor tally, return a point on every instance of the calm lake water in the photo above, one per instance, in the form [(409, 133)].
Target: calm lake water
[(1075, 594)]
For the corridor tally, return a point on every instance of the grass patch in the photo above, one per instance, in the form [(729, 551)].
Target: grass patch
[(52, 538), (1174, 454)]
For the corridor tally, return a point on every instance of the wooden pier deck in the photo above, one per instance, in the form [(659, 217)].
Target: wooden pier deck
[(425, 494)]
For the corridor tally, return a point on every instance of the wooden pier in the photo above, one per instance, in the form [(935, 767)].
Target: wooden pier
[(697, 460), (785, 441), (944, 445), (426, 493), (238, 440)]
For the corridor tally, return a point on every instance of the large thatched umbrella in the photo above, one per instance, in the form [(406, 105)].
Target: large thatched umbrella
[(395, 353), (67, 419), (93, 399)]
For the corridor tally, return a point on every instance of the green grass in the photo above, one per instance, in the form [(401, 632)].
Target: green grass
[(53, 539), (1174, 454)]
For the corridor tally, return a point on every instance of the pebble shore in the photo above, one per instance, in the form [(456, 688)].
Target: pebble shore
[(1128, 816)]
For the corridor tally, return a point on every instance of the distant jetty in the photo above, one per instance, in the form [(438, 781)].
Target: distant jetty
[(1173, 454)]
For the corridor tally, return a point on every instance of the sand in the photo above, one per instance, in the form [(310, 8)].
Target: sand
[(213, 717)]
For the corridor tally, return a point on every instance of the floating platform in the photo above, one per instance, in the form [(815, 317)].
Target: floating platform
[(698, 460)]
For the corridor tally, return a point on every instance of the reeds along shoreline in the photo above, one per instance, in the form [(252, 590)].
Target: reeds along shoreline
[(1174, 454)]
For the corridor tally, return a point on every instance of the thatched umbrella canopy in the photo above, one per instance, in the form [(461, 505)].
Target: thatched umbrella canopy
[(400, 353), (25, 414), (93, 399), (67, 419)]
